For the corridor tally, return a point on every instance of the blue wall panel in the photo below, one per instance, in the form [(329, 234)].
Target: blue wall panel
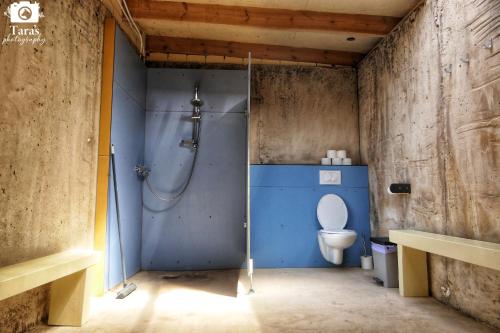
[(283, 212), (204, 228), (306, 175), (127, 134)]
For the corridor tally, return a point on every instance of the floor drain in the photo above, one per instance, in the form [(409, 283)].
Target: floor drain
[(186, 276)]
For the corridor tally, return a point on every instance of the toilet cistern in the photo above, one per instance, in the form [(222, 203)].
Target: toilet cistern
[(333, 238)]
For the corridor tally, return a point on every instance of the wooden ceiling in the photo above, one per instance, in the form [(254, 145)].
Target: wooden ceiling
[(333, 32)]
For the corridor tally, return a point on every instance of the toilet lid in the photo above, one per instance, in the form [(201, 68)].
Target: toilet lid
[(332, 212)]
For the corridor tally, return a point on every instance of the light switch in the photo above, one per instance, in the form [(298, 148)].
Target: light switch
[(330, 177)]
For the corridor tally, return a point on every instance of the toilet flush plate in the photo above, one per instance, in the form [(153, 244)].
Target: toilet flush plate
[(330, 177)]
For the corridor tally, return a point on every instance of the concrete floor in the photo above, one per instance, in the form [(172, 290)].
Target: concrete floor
[(286, 300)]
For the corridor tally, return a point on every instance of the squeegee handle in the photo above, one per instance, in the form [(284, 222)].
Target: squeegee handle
[(118, 222)]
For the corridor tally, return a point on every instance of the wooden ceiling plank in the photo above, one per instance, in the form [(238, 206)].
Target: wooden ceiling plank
[(191, 46), (262, 17)]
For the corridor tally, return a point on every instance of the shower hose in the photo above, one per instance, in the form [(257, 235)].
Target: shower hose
[(184, 188)]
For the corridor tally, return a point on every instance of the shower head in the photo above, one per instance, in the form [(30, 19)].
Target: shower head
[(196, 101)]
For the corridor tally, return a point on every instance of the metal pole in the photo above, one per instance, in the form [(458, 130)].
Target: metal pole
[(249, 253)]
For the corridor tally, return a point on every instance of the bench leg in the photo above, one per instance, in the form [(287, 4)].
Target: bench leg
[(69, 299), (412, 266)]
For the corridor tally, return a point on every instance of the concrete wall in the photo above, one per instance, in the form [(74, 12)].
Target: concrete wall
[(199, 230), (128, 123), (49, 113), (300, 112), (429, 115)]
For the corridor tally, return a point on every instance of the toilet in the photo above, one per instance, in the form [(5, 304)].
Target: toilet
[(333, 238)]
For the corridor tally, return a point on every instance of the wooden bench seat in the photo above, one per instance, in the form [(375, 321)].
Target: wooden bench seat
[(412, 256), (68, 274)]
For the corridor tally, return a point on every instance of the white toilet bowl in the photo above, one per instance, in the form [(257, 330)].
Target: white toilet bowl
[(333, 243), (333, 238)]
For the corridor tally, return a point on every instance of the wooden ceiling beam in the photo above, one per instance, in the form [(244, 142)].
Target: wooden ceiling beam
[(191, 46), (262, 17)]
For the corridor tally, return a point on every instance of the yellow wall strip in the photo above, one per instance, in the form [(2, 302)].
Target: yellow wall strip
[(103, 165)]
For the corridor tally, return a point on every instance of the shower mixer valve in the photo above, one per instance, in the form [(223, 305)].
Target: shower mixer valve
[(142, 171), (189, 144)]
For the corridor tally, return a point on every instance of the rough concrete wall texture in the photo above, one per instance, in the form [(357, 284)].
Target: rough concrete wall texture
[(49, 113), (429, 115), (300, 112)]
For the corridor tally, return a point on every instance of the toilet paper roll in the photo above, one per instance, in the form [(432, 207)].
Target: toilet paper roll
[(346, 161), (341, 153), (337, 161), (326, 161), (331, 153)]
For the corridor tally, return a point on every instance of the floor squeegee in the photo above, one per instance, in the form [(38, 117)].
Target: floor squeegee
[(128, 288)]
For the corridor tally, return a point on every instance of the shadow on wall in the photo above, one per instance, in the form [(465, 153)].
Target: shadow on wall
[(173, 128), (203, 229), (429, 118)]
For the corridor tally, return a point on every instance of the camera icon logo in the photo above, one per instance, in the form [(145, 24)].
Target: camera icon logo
[(24, 12)]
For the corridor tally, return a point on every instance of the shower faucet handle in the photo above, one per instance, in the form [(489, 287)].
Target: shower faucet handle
[(193, 145), (188, 144), (142, 171)]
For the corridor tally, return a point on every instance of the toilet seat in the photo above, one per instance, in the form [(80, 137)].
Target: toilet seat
[(332, 213), (345, 231)]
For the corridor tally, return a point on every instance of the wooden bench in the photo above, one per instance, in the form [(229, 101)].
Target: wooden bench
[(412, 256), (68, 273)]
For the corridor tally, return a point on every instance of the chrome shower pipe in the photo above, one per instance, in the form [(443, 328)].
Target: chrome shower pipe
[(143, 172), (196, 102)]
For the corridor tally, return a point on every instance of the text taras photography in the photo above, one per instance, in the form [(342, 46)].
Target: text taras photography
[(24, 17)]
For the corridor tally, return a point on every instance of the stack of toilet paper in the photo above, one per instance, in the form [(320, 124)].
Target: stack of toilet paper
[(336, 157)]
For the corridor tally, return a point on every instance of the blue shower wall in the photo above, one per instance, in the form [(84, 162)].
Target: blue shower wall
[(203, 229), (283, 214), (127, 134)]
